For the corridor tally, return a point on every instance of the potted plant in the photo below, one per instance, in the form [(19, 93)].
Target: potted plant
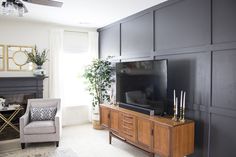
[(99, 80), (38, 58)]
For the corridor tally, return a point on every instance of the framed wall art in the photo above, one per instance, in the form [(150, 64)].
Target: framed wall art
[(2, 57), (17, 58)]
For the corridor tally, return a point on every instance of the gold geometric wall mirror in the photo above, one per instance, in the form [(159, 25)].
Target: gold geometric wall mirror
[(2, 59), (17, 58)]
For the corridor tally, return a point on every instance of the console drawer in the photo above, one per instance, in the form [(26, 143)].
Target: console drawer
[(127, 126)]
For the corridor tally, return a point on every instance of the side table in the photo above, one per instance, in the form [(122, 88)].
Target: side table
[(9, 119)]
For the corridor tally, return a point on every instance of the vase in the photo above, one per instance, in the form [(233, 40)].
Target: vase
[(39, 71)]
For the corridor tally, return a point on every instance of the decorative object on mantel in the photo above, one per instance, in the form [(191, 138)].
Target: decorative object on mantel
[(2, 103), (99, 80), (181, 107), (2, 59), (38, 58), (17, 58)]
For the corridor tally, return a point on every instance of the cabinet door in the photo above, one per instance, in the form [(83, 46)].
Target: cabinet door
[(104, 114), (145, 132), (109, 44), (114, 118), (161, 141)]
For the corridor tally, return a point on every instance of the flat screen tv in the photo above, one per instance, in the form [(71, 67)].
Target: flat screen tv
[(142, 84)]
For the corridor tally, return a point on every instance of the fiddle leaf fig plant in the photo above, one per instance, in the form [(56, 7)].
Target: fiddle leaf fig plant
[(99, 79)]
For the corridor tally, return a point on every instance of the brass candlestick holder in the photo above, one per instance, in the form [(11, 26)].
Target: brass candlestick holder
[(175, 118), (182, 119)]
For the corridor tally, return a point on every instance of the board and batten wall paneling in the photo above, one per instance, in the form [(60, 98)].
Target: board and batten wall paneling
[(109, 42), (136, 36), (223, 139), (192, 73), (201, 132), (224, 23), (224, 79), (183, 24), (198, 37), (223, 107)]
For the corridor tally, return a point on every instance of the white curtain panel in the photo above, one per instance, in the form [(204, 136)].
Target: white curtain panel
[(93, 44), (56, 49), (93, 50)]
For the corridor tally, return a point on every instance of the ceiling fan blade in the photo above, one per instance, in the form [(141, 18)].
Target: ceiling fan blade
[(46, 2)]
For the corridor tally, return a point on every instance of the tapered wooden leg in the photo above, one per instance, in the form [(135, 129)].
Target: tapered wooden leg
[(57, 143), (152, 154), (110, 137), (22, 145)]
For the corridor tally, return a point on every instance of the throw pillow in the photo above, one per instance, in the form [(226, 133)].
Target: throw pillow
[(42, 113)]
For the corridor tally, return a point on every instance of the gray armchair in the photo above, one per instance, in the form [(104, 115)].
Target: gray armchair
[(40, 131)]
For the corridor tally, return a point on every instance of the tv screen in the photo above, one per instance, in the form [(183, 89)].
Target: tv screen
[(142, 83)]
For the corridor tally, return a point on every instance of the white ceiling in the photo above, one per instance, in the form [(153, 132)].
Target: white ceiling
[(87, 13)]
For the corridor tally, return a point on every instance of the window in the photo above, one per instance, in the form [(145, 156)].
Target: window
[(75, 57)]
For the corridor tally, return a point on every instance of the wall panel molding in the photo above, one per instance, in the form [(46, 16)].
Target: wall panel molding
[(137, 41), (185, 24), (198, 37)]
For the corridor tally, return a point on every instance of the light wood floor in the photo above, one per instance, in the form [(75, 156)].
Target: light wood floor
[(83, 140)]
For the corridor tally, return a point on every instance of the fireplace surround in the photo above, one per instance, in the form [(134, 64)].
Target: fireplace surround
[(17, 90)]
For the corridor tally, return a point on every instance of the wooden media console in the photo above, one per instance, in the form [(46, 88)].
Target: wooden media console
[(153, 134)]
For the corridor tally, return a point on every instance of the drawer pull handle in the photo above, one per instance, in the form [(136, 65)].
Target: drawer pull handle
[(128, 122), (129, 117), (127, 128)]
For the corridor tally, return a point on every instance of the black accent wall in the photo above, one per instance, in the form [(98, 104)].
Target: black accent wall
[(198, 37)]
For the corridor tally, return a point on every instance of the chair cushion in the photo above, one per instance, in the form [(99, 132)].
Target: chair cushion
[(40, 127), (42, 113)]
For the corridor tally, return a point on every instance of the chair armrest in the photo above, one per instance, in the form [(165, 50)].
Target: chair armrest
[(24, 120), (58, 124)]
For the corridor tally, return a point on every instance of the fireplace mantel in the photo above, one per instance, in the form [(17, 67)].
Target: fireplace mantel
[(19, 85)]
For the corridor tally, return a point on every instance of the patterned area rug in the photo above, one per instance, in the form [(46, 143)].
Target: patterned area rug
[(42, 152)]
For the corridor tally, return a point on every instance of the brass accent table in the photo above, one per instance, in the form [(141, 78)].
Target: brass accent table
[(8, 120)]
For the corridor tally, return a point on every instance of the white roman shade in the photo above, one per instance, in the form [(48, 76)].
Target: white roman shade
[(76, 42)]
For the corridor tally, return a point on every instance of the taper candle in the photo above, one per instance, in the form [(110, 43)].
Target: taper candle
[(176, 104), (181, 99), (174, 97), (184, 101)]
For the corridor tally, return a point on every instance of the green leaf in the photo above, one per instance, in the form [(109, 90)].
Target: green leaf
[(99, 79), (36, 57)]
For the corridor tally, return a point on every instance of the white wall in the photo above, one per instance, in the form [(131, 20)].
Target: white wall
[(26, 33), (70, 117)]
